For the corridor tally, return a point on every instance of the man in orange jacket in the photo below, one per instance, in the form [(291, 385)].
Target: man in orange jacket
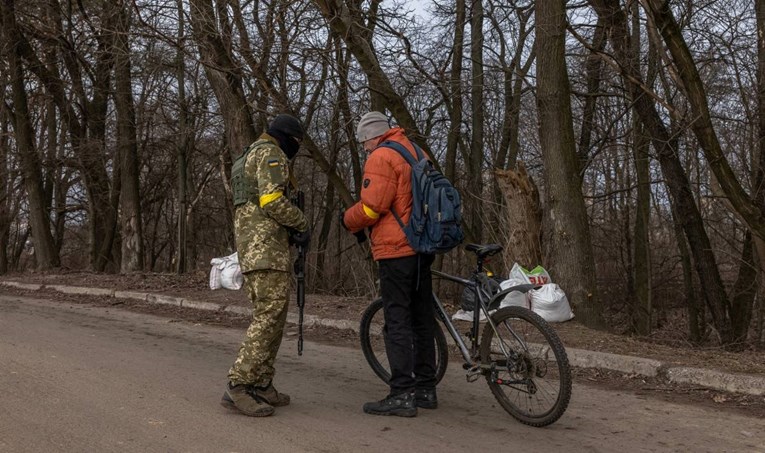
[(405, 278)]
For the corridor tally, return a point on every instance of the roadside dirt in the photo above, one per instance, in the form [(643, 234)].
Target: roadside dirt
[(194, 286)]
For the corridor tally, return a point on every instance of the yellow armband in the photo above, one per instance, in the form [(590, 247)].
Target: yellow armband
[(268, 198), (369, 212)]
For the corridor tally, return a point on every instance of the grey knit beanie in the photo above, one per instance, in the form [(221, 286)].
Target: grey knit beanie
[(287, 124), (371, 125)]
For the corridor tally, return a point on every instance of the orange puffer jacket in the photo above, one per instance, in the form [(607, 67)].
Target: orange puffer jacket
[(387, 186)]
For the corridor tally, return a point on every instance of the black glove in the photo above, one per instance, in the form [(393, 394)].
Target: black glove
[(342, 219), (300, 238), (361, 236)]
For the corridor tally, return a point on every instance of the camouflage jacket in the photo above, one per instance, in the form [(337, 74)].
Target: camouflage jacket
[(262, 223)]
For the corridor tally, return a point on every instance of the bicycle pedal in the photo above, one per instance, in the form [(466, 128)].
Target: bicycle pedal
[(473, 373)]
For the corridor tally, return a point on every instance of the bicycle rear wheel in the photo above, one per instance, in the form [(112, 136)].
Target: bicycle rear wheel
[(526, 366), (372, 338)]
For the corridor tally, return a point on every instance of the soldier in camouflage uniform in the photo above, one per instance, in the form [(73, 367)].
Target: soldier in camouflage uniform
[(265, 223)]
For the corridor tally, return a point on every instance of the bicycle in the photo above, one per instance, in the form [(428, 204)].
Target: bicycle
[(519, 353)]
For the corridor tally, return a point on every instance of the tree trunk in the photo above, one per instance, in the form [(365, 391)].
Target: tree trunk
[(569, 247), (744, 292), (103, 195), (343, 64), (127, 150), (642, 299), (522, 222), (329, 197), (183, 143), (514, 74), (760, 151), (693, 303), (5, 188), (642, 302), (455, 88), (474, 200), (593, 69)]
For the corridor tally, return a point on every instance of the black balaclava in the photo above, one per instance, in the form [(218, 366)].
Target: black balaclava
[(286, 142), (283, 128)]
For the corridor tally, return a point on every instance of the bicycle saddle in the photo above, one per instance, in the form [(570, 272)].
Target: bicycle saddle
[(484, 250)]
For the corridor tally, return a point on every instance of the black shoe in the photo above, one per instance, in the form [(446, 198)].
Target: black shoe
[(426, 398), (401, 405)]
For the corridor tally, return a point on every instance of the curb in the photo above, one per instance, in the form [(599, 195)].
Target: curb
[(730, 382), (737, 383), (626, 364)]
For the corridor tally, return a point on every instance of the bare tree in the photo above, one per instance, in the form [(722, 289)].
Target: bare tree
[(223, 72), (676, 179), (569, 246), (45, 251)]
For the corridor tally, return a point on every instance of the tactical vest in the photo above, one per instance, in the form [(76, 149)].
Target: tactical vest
[(243, 188)]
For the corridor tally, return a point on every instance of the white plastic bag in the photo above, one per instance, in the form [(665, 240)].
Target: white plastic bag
[(551, 303), (226, 273), (537, 276), (464, 315)]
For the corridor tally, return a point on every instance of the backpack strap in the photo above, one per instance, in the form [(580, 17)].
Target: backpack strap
[(399, 148)]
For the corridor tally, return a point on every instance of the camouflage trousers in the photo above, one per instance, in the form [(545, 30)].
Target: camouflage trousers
[(269, 292)]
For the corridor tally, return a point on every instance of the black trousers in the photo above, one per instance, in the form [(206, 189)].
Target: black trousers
[(407, 293)]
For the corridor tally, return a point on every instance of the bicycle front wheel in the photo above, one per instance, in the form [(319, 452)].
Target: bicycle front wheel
[(526, 366), (372, 333)]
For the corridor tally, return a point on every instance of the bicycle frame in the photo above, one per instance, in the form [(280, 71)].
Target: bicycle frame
[(483, 301)]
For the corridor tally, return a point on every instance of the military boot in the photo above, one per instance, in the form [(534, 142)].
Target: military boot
[(401, 405), (426, 398), (239, 398), (270, 395)]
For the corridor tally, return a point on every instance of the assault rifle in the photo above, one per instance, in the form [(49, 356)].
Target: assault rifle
[(299, 201)]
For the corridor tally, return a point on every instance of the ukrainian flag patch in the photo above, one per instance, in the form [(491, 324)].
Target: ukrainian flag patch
[(273, 162)]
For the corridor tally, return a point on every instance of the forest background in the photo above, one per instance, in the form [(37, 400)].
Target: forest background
[(619, 144)]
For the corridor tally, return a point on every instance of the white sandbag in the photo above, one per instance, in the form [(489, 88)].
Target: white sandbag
[(514, 298), (226, 273), (231, 277), (215, 271), (551, 303)]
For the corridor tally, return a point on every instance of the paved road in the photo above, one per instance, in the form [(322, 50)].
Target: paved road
[(79, 378)]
